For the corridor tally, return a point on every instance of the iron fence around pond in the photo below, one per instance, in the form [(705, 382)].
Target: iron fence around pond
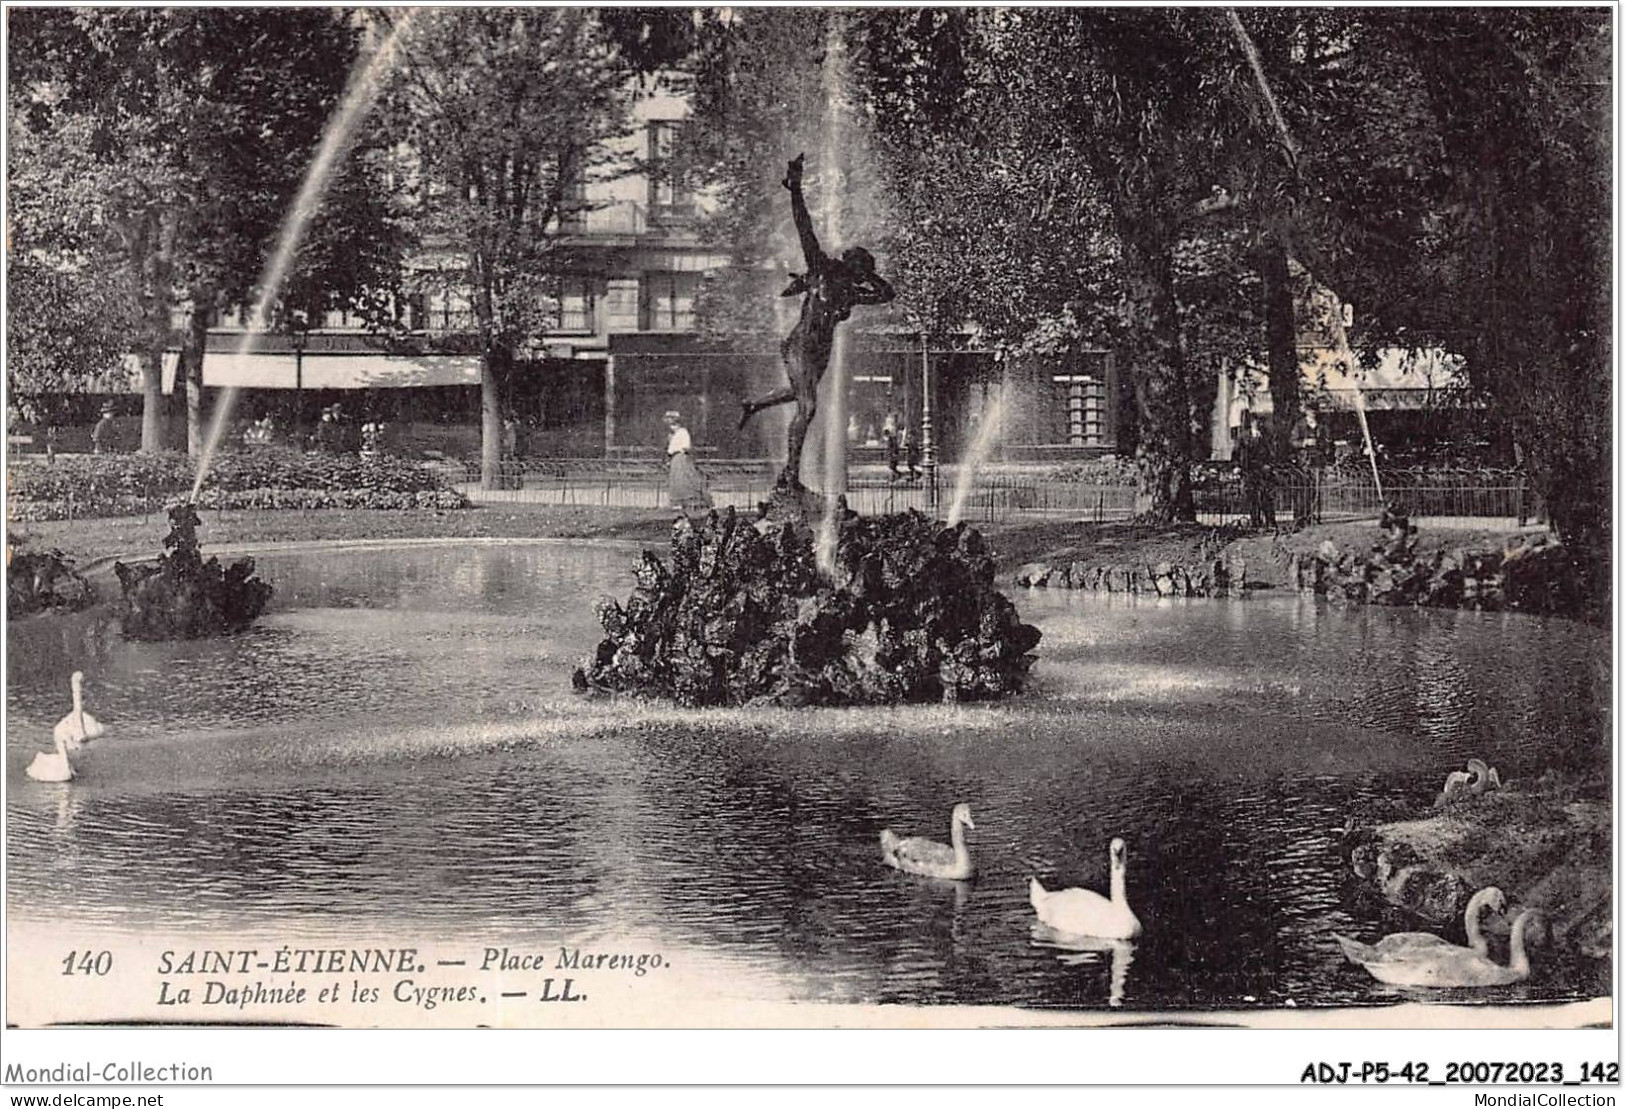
[(1293, 495), (1350, 493), (997, 494)]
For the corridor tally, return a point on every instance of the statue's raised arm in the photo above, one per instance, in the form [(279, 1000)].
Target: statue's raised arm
[(810, 250)]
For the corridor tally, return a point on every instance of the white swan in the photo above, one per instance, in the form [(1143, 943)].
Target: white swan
[(48, 767), (1487, 898), (1455, 785), (918, 855), (1485, 777), (79, 726), (1449, 965), (1478, 778), (1081, 912), (70, 733)]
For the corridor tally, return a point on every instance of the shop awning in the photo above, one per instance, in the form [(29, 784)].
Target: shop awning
[(1401, 381), (1390, 400), (340, 371)]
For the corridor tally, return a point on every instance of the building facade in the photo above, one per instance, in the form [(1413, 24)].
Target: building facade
[(623, 349)]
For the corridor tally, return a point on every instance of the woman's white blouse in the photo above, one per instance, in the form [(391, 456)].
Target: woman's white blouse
[(679, 441)]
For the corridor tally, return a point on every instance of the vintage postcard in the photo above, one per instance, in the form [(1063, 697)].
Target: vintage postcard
[(805, 517)]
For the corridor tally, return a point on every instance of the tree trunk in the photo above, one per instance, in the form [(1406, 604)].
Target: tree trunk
[(1281, 341), (154, 238), (493, 376), (1160, 372), (152, 400), (191, 368)]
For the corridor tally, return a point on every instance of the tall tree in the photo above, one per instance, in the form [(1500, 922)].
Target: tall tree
[(507, 113), (1449, 176), (982, 221), (69, 311), (994, 220), (1521, 101), (204, 121), (1074, 158)]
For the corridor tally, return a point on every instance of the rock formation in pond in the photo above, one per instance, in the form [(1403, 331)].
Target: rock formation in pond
[(1547, 844), (180, 596), (1532, 573), (40, 580), (742, 615)]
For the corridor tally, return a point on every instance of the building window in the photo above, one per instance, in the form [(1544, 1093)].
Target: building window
[(417, 312), (870, 409), (578, 304), (621, 305), (1081, 407), (668, 301), (572, 197), (343, 319), (669, 194), (444, 310)]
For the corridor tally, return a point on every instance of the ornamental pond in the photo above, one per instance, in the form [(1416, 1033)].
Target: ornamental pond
[(394, 750)]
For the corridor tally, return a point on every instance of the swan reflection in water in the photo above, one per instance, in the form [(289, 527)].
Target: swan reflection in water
[(67, 811), (1088, 950)]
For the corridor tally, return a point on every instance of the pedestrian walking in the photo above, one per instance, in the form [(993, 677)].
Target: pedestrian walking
[(687, 485)]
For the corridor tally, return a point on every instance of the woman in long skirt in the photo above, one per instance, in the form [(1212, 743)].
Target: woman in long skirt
[(687, 484)]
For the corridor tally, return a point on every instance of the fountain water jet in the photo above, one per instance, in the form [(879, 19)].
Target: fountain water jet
[(835, 397), (358, 99), (980, 448)]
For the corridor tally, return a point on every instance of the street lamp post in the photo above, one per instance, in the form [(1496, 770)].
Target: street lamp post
[(299, 328), (928, 448)]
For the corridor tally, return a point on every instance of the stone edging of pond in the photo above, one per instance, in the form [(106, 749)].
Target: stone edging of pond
[(1526, 573), (1208, 578)]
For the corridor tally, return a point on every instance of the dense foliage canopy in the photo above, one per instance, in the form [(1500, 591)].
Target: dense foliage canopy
[(1187, 186)]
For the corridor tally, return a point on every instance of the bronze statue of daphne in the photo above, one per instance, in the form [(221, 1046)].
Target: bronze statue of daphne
[(830, 289)]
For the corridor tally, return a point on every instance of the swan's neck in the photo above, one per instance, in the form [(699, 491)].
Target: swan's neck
[(1475, 924), (61, 746), (1518, 958), (1120, 885), (79, 706), (961, 851)]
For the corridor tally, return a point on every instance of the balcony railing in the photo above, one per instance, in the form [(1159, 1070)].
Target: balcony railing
[(626, 217)]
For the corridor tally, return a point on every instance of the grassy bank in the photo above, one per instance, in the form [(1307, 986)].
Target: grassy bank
[(87, 540)]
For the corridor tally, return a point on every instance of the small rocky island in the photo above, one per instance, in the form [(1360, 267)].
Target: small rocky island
[(180, 596), (1546, 843), (743, 615)]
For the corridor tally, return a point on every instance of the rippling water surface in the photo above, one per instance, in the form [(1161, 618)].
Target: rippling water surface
[(395, 746)]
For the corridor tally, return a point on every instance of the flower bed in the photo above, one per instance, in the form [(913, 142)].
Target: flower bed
[(266, 477), (1105, 470)]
